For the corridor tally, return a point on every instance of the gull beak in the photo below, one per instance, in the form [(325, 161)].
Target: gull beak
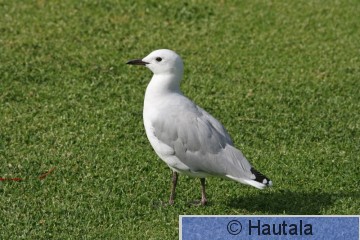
[(137, 62)]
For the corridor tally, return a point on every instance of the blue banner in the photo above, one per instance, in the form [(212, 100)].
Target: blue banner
[(269, 227)]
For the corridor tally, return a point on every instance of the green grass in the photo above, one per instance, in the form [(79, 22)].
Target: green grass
[(282, 76)]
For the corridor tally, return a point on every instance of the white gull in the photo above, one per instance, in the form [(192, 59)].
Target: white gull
[(187, 138)]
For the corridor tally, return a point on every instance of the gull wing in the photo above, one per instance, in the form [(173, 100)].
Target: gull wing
[(200, 141)]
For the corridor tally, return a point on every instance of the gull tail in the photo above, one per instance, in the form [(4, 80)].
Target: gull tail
[(257, 179)]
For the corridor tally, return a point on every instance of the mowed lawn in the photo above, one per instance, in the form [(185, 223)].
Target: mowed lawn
[(282, 76)]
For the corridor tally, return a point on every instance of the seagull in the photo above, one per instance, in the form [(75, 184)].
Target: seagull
[(186, 137)]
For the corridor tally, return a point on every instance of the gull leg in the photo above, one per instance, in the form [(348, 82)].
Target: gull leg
[(174, 182), (203, 194)]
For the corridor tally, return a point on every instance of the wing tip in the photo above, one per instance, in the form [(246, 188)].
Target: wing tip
[(261, 178)]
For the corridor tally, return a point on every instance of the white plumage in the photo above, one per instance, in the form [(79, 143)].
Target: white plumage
[(187, 138)]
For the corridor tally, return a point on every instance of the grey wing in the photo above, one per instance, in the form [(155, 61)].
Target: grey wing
[(202, 143)]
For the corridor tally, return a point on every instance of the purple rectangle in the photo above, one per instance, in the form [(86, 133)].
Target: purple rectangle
[(269, 227)]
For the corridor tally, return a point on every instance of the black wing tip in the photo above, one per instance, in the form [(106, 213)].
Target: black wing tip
[(261, 178)]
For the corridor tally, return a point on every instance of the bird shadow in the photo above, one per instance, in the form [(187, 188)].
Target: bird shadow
[(288, 202)]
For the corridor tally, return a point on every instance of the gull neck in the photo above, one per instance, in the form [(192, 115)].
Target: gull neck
[(164, 83)]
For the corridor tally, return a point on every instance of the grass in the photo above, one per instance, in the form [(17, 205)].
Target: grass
[(282, 76)]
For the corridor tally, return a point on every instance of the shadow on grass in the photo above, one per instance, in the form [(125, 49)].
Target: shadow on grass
[(287, 202)]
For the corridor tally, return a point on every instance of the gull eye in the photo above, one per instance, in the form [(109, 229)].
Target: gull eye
[(158, 59)]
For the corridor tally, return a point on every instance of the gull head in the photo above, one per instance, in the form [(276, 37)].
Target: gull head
[(162, 62)]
